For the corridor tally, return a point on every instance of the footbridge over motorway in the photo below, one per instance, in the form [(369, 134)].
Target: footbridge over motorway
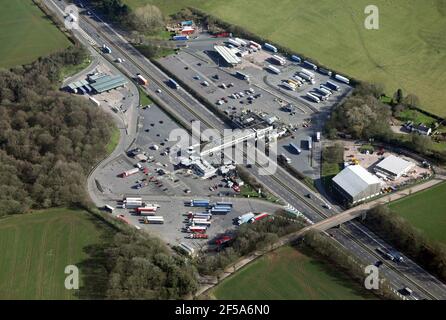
[(333, 221)]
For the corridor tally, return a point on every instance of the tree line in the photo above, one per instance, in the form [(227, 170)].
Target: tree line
[(323, 247), (49, 140), (247, 239), (400, 233)]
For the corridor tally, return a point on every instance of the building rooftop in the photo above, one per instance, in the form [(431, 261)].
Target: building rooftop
[(108, 83), (395, 165), (228, 54), (354, 179)]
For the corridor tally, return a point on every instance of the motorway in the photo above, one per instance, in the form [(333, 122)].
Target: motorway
[(353, 236)]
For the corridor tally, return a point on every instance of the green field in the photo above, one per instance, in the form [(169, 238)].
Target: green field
[(426, 210), (26, 33), (408, 51), (288, 274), (36, 247)]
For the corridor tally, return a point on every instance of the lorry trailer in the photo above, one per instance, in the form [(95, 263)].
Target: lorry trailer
[(273, 69), (173, 83), (311, 65), (280, 60), (241, 41), (241, 75), (288, 85), (234, 42), (270, 47), (226, 204), (154, 220), (245, 218), (342, 79), (180, 38), (294, 148), (307, 72), (333, 86), (141, 80), (199, 203), (325, 71), (196, 229), (313, 97), (323, 86), (255, 44), (130, 172), (198, 236), (258, 217), (296, 58)]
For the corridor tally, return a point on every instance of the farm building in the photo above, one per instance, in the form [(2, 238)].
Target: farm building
[(228, 55), (393, 167), (355, 184)]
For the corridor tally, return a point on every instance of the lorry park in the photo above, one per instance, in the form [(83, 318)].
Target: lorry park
[(201, 223)]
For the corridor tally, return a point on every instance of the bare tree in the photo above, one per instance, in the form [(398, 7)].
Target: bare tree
[(148, 19)]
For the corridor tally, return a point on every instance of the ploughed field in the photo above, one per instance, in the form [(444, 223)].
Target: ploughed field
[(26, 33), (408, 51), (288, 274), (36, 247)]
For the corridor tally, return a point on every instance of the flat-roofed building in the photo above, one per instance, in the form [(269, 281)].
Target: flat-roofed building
[(228, 55), (108, 83), (393, 167)]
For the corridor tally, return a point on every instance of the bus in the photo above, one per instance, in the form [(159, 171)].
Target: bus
[(294, 148)]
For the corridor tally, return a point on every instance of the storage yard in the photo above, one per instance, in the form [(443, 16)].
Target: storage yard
[(368, 172)]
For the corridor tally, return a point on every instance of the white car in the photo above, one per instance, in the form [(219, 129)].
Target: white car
[(158, 90)]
